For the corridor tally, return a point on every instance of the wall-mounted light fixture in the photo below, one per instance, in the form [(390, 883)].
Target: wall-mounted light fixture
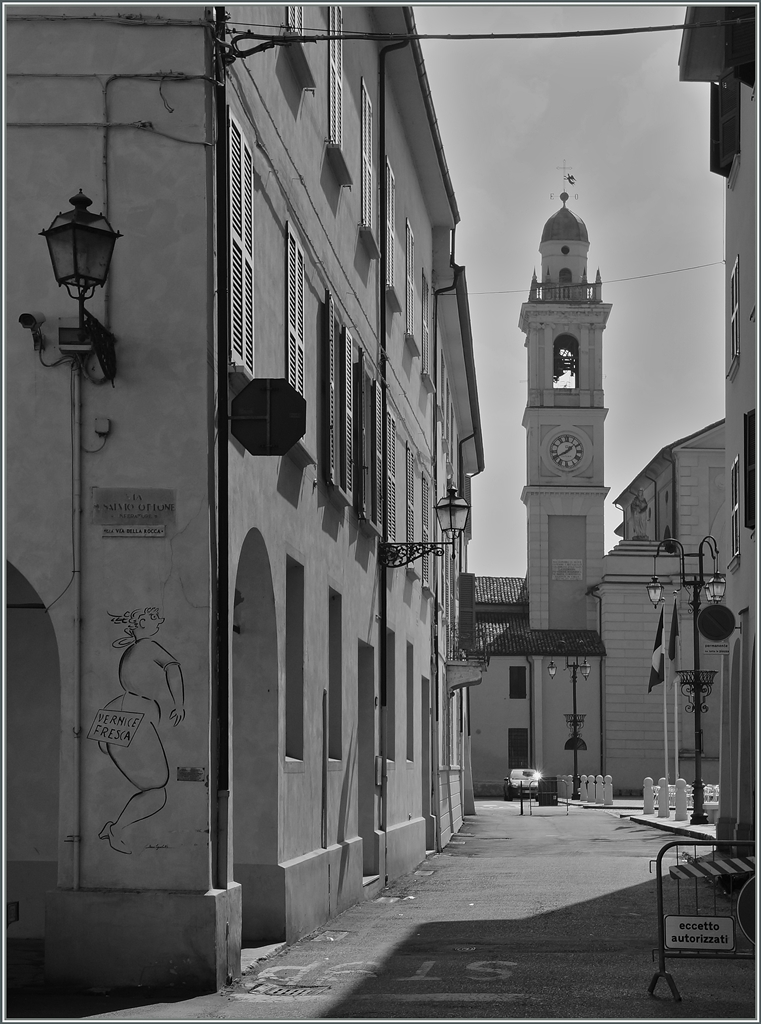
[(81, 245), (452, 513)]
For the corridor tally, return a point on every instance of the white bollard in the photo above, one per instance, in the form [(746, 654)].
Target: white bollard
[(681, 800), (663, 799), (583, 789), (599, 787), (608, 791), (647, 796)]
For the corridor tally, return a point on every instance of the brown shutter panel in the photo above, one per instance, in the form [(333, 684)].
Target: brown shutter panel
[(467, 620), (360, 437), (377, 458), (330, 391), (729, 119), (740, 40), (750, 470)]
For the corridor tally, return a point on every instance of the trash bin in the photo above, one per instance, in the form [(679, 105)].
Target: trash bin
[(507, 789), (548, 791)]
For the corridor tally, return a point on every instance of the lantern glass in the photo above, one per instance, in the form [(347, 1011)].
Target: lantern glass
[(452, 513), (552, 669), (655, 590), (586, 669), (715, 588), (80, 245)]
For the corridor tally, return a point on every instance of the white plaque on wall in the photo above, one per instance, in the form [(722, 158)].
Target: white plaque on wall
[(567, 569)]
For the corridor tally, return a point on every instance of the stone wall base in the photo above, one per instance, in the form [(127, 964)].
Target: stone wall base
[(108, 938)]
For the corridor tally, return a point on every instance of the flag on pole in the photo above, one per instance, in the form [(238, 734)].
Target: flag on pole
[(656, 670), (673, 633)]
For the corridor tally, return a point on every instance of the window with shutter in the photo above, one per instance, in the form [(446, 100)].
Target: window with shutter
[(335, 91), (390, 226), (390, 477), (517, 682), (294, 18), (734, 310), (347, 414), (740, 40), (367, 158), (750, 469), (295, 313), (360, 436), (517, 748), (467, 617), (728, 120), (425, 505), (409, 264), (735, 509), (331, 393), (409, 483), (426, 345), (241, 204), (377, 459)]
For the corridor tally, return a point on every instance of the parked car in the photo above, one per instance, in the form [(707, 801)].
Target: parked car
[(525, 780)]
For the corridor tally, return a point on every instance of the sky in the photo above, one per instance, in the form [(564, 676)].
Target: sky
[(511, 112)]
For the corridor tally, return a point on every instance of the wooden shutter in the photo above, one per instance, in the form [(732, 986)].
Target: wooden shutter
[(295, 313), (377, 457), (426, 527), (739, 40), (294, 18), (367, 159), (347, 413), (409, 482), (241, 184), (390, 226), (750, 469), (335, 94), (331, 397), (409, 264), (734, 514), (734, 310), (390, 476), (467, 619), (360, 436), (426, 344), (729, 119)]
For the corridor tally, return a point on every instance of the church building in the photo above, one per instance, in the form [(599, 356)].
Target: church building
[(570, 647), (543, 687)]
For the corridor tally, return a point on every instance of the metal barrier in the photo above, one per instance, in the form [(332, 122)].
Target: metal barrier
[(697, 917)]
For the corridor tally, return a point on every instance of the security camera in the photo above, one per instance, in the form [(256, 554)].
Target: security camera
[(31, 321)]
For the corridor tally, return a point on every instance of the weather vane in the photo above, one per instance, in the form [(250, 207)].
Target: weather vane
[(571, 181)]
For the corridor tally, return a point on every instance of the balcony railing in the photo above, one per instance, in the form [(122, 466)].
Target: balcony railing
[(565, 292), (467, 646)]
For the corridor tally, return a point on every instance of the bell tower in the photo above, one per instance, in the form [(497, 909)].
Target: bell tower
[(563, 320)]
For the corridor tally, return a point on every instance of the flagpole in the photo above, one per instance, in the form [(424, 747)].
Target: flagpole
[(666, 728), (678, 652)]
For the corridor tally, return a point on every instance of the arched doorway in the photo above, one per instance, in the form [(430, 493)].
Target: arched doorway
[(255, 754), (32, 728)]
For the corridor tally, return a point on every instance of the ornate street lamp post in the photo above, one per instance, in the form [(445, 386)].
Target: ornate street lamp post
[(695, 685), (574, 721), (452, 513)]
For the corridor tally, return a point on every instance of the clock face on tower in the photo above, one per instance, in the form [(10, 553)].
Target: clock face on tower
[(566, 451)]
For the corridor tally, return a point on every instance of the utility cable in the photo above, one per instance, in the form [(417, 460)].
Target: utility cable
[(615, 280)]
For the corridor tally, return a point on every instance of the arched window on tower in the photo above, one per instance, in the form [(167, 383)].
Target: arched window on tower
[(565, 276), (565, 362), (564, 284)]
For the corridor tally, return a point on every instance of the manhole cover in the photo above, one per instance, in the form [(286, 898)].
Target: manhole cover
[(464, 949), (264, 988)]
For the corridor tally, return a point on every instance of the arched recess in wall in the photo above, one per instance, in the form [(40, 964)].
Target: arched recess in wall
[(255, 753), (32, 730)]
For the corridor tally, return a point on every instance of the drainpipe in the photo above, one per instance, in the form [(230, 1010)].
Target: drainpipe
[(592, 592), (76, 706), (221, 681), (383, 574), (531, 726)]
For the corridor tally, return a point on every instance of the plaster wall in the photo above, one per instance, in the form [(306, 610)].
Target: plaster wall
[(493, 712), (154, 186)]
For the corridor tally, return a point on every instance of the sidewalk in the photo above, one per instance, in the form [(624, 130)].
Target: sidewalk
[(622, 805)]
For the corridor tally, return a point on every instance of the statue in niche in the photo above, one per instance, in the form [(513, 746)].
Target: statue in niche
[(128, 728), (638, 509)]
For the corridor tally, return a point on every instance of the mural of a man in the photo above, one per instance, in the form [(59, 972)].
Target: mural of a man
[(151, 680)]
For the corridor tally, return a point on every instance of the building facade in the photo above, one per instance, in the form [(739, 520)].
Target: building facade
[(246, 721), (725, 57)]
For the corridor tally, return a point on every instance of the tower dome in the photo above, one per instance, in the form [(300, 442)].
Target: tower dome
[(565, 226)]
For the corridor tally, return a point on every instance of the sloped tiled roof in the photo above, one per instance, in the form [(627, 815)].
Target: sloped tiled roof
[(501, 590), (510, 633)]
